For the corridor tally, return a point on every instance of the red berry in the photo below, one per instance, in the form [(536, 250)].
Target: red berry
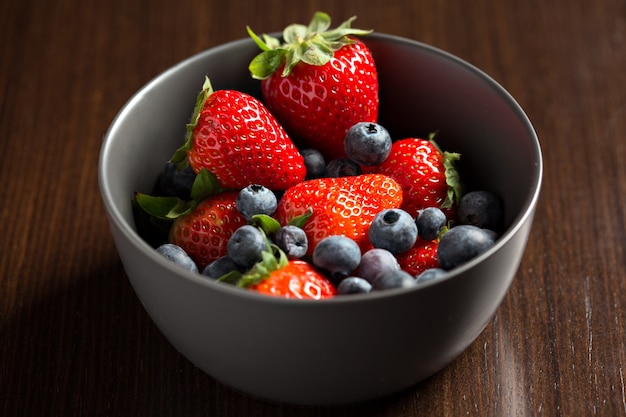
[(422, 256), (204, 232), (298, 279), (424, 172), (317, 96), (340, 206), (235, 137)]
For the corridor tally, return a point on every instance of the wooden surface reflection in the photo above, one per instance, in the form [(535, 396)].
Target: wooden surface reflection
[(74, 339)]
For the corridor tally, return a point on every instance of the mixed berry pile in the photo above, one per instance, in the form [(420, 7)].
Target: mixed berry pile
[(303, 194)]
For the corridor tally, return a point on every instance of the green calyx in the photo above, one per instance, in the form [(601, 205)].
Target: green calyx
[(314, 44), (300, 221), (453, 179), (180, 156), (455, 187), (170, 208), (272, 260)]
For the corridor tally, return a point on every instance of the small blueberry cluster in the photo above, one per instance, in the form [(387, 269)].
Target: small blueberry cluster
[(366, 144), (392, 232)]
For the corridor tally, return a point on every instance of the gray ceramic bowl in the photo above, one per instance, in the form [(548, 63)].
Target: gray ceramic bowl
[(345, 349)]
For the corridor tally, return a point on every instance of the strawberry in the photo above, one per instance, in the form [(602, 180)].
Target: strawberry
[(297, 279), (233, 136), (422, 256), (338, 206), (318, 82), (425, 173), (204, 232)]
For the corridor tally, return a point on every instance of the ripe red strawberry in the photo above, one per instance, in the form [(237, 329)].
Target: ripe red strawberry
[(426, 174), (318, 82), (297, 279), (235, 137), (204, 231), (340, 206), (422, 256)]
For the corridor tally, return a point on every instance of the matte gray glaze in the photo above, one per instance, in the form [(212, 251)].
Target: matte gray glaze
[(346, 349)]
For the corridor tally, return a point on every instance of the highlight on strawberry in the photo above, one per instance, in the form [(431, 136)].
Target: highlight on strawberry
[(343, 209)]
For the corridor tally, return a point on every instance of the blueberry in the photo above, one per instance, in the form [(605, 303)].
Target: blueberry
[(482, 209), (177, 255), (376, 261), (337, 255), (342, 167), (314, 162), (256, 199), (394, 230), (395, 278), (219, 267), (430, 221), (354, 285), (246, 245), (429, 274), (367, 143), (174, 182), (292, 240), (493, 235), (462, 243)]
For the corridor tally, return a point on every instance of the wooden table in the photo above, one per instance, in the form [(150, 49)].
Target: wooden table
[(75, 340)]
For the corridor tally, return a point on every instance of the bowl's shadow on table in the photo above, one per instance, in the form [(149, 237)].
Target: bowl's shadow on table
[(116, 353)]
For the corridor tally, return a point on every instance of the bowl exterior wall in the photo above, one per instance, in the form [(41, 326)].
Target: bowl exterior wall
[(321, 353)]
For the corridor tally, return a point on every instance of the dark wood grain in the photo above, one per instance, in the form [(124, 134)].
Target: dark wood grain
[(75, 340)]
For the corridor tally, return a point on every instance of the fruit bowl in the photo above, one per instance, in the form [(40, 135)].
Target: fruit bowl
[(344, 349)]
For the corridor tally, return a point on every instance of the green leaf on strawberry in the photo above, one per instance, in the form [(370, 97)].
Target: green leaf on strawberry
[(267, 62), (163, 208), (205, 184), (171, 208), (453, 179), (300, 220), (267, 224), (313, 44), (180, 156), (269, 263)]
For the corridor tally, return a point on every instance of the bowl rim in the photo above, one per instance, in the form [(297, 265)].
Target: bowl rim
[(132, 236)]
